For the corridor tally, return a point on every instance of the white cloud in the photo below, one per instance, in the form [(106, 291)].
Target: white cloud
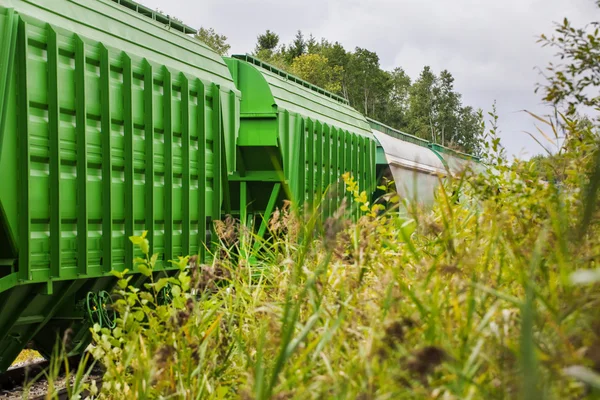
[(489, 46)]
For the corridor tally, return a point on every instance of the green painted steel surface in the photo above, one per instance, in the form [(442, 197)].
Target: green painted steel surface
[(111, 124), (299, 135), (296, 96)]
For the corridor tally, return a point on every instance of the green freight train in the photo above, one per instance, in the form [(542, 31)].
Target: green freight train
[(113, 120)]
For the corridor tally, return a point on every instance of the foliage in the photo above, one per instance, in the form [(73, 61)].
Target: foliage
[(398, 106), (214, 40), (314, 68), (296, 49), (266, 45), (365, 81), (429, 108), (436, 113), (488, 294), (574, 83), (492, 292), (267, 41), (421, 115)]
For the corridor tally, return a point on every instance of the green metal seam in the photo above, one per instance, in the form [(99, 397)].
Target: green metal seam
[(233, 120), (360, 162), (168, 163), (55, 161), (216, 129), (348, 160), (128, 158), (353, 157), (106, 128), (224, 182), (367, 171), (82, 159), (311, 160), (361, 165), (24, 154), (286, 144), (7, 55), (319, 159), (301, 164), (327, 167), (369, 166), (149, 150), (342, 151), (185, 160), (257, 176), (373, 168), (248, 115), (355, 163), (201, 111), (340, 163), (224, 158), (335, 166)]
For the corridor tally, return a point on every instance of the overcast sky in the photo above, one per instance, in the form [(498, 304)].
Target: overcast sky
[(489, 46)]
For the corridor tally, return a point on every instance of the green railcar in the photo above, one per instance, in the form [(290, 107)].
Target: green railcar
[(295, 141), (112, 121)]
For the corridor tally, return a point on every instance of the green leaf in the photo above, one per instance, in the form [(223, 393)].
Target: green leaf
[(117, 274), (185, 280), (144, 270), (145, 246), (176, 291), (161, 284), (139, 315), (136, 240), (117, 332), (178, 302)]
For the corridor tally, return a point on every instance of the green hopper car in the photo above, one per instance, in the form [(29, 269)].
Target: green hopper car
[(110, 124), (295, 141)]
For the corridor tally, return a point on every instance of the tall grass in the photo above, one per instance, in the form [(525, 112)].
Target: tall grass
[(491, 293)]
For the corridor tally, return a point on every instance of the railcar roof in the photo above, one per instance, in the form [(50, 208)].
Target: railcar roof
[(288, 92), (127, 26), (409, 155)]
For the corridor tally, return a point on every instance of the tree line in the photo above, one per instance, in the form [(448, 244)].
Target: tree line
[(428, 107)]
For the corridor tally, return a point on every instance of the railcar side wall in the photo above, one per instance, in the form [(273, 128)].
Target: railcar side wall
[(102, 137)]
